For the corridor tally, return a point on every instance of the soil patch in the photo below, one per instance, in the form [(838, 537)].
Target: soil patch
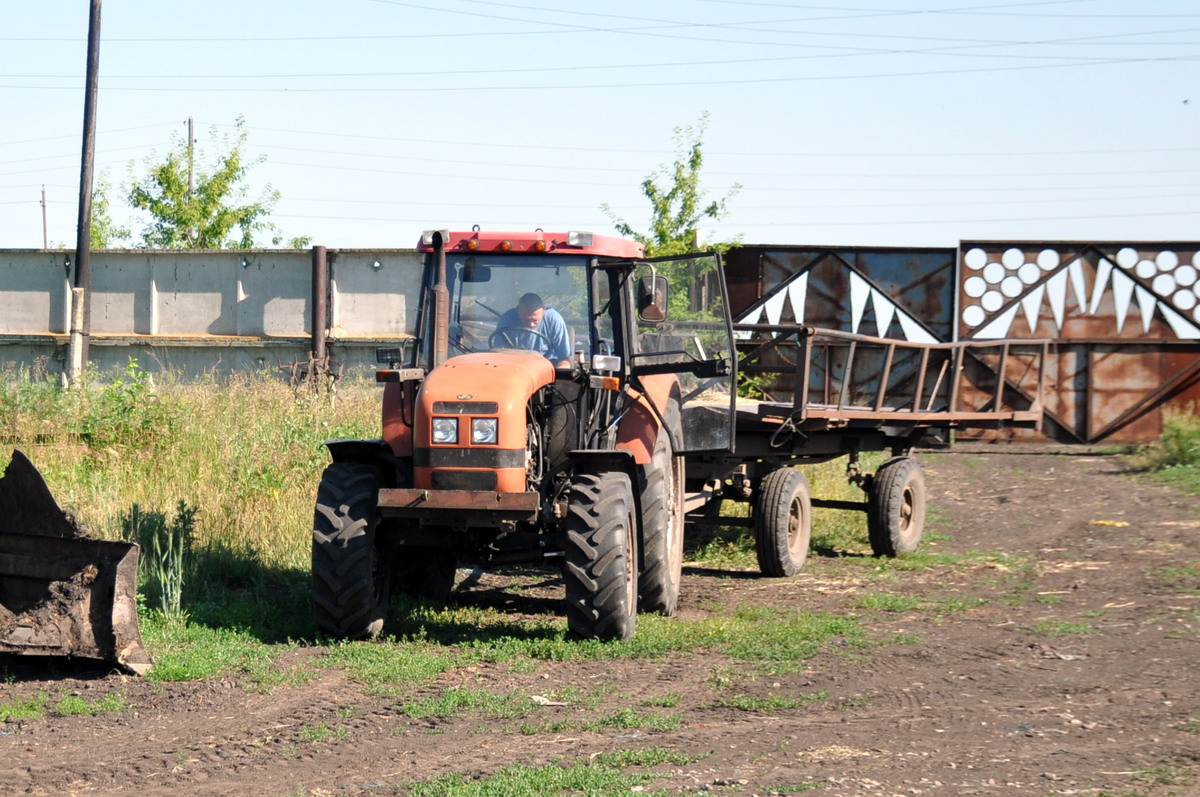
[(1066, 666)]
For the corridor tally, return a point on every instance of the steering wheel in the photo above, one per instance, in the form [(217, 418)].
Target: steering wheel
[(504, 336)]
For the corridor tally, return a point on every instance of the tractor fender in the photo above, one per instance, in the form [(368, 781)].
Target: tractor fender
[(638, 430), (598, 460)]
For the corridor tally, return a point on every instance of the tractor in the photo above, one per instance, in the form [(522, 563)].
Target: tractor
[(498, 447)]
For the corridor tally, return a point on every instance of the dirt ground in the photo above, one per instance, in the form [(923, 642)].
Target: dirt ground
[(1077, 675)]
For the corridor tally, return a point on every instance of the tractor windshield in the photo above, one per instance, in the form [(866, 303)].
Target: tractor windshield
[(486, 289)]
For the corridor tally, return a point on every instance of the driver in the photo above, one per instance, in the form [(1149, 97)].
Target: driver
[(549, 335)]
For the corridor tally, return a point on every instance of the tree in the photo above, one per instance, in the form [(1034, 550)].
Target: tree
[(677, 206), (104, 231), (213, 215)]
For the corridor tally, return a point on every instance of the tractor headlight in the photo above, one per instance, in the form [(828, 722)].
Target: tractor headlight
[(445, 430), (484, 431)]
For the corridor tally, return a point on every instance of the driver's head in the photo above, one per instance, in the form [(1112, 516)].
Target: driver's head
[(531, 308)]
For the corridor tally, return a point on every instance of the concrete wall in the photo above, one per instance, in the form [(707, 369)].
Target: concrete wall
[(206, 311)]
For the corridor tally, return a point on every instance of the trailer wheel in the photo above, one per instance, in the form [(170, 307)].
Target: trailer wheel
[(600, 568), (783, 522), (661, 484), (349, 573), (896, 507), (426, 573)]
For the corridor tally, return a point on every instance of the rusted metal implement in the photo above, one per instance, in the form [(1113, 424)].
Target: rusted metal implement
[(62, 593)]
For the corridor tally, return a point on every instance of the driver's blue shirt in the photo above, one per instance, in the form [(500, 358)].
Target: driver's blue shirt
[(552, 326)]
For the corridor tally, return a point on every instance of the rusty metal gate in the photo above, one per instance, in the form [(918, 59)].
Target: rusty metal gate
[(1123, 318)]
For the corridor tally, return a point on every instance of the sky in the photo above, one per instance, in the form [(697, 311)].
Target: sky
[(867, 123)]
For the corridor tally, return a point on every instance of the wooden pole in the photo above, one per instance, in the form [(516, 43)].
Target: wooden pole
[(81, 316)]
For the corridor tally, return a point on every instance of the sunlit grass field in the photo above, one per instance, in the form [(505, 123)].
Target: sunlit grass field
[(233, 464)]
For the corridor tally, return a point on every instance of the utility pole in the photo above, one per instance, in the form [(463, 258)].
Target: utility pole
[(45, 225), (81, 295)]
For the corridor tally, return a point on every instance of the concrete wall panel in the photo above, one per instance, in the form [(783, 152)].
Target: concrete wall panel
[(34, 286), (374, 293)]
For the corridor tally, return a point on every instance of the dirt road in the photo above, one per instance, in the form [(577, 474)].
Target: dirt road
[(1072, 667)]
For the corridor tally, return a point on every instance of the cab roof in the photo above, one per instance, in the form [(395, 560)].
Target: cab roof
[(536, 242)]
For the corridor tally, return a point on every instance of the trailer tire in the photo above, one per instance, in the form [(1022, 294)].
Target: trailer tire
[(661, 485), (426, 573), (600, 566), (349, 573), (896, 507), (783, 523)]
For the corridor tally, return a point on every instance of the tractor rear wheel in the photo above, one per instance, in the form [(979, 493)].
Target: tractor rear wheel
[(349, 573), (782, 522), (600, 568), (896, 507), (661, 484)]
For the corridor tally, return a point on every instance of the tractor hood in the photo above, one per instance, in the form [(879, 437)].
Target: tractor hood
[(491, 389)]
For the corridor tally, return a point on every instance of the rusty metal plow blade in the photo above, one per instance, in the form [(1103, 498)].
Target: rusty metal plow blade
[(62, 593)]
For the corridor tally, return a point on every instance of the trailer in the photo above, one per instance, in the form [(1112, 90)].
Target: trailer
[(822, 394)]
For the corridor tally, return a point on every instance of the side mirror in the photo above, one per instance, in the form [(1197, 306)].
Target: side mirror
[(652, 298)]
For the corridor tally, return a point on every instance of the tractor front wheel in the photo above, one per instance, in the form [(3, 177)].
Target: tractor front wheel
[(600, 568), (349, 573)]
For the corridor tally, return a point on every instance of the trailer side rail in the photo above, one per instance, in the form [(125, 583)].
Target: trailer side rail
[(829, 378)]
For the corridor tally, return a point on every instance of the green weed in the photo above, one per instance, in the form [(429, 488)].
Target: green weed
[(770, 704), (594, 778), (458, 700), (70, 705), (1057, 628), (29, 708)]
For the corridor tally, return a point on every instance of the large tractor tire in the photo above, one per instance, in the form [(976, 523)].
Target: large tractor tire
[(600, 569), (896, 507), (782, 523), (349, 573), (661, 484), (426, 573)]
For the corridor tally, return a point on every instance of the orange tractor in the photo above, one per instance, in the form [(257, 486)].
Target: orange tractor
[(515, 433)]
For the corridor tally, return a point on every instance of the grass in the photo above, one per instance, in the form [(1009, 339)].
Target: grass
[(429, 641), (771, 704), (1174, 458), (512, 705), (1059, 628), (626, 719), (43, 704), (606, 774)]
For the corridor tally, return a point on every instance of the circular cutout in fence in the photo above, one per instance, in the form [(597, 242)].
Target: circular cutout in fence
[(1196, 258), (993, 273), (1029, 273), (1047, 259), (974, 287), (973, 316), (1185, 275), (1013, 258), (992, 301), (975, 259), (1196, 315), (1127, 257), (1184, 300), (1196, 289), (1146, 269), (1011, 287), (1163, 285), (1167, 260)]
